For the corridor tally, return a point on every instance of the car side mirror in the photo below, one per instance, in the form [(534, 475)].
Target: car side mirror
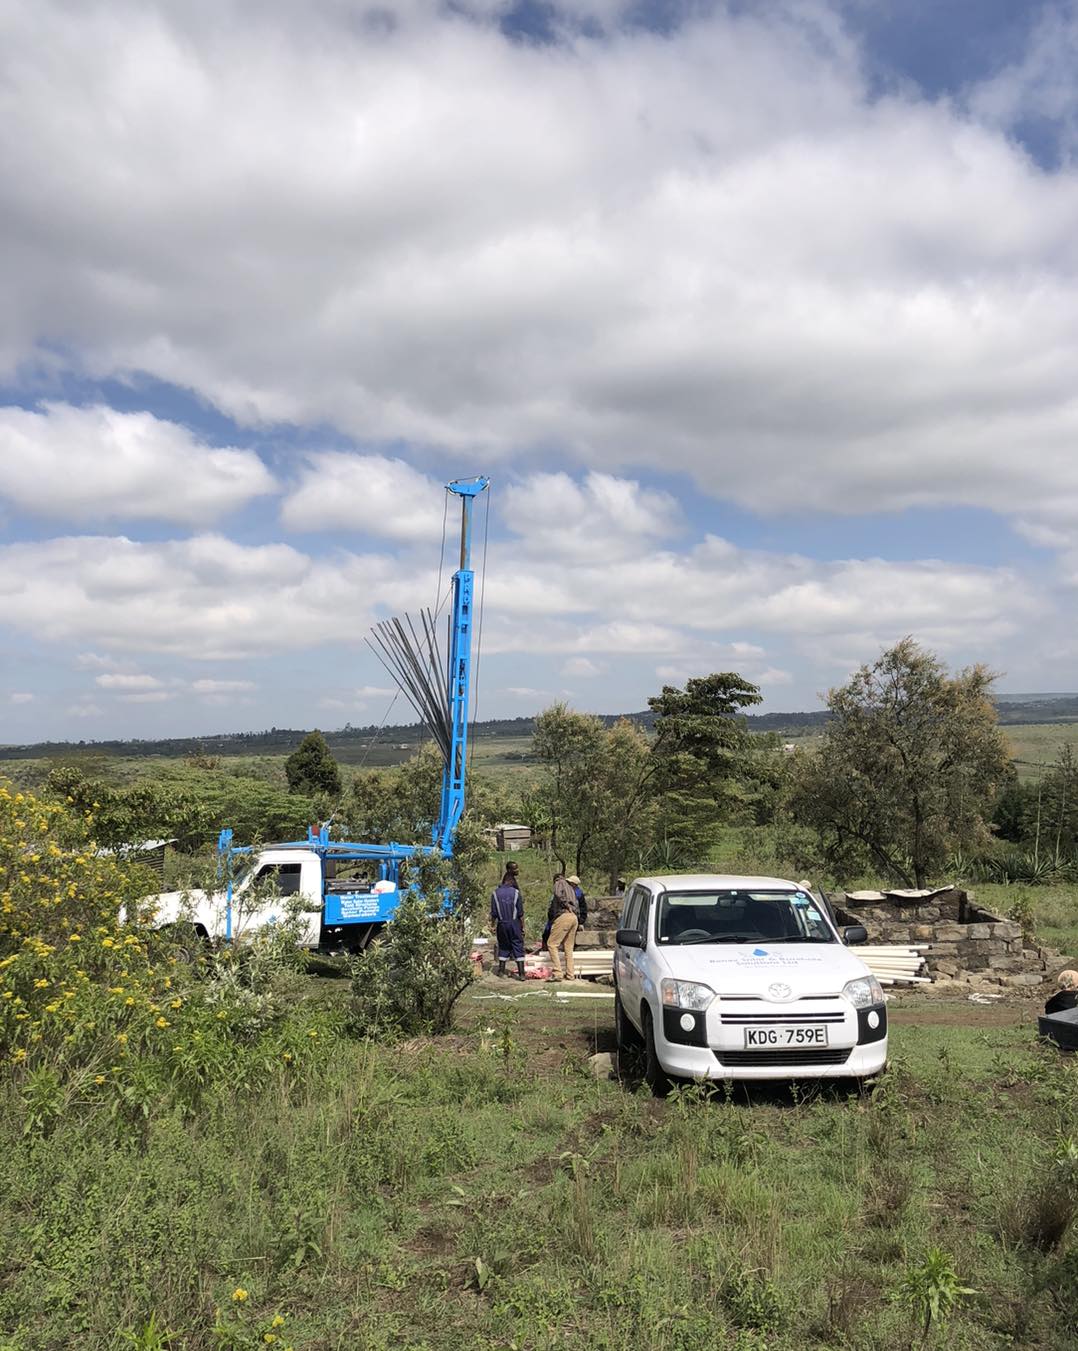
[(854, 933), (629, 938)]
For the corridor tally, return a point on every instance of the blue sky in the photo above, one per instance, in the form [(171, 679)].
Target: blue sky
[(761, 319)]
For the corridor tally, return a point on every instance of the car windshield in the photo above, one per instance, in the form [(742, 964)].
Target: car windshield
[(722, 916)]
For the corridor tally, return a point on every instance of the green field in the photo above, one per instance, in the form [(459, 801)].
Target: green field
[(485, 1191), (1035, 747)]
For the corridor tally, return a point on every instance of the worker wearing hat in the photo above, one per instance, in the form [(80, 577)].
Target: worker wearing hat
[(581, 900), (563, 928), (1067, 995)]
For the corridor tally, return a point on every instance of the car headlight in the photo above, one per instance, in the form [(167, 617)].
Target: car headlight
[(686, 994), (863, 991)]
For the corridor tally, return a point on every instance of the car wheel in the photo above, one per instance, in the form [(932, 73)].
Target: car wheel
[(655, 1076)]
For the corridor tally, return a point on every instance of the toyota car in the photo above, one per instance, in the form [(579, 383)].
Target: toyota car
[(743, 978)]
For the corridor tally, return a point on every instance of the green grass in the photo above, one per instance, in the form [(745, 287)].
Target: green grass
[(1036, 746), (485, 1191)]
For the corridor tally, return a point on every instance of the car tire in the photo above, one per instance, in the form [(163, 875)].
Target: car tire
[(655, 1076)]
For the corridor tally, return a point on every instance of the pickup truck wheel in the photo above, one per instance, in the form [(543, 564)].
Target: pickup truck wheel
[(188, 944), (655, 1076)]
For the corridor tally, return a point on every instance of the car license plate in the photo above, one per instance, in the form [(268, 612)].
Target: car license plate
[(780, 1036)]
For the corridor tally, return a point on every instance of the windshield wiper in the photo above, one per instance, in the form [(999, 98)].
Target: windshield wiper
[(798, 938), (719, 938)]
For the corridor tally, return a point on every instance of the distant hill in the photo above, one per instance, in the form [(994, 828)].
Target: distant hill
[(353, 744)]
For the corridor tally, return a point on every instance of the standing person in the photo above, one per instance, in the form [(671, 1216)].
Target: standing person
[(507, 916), (563, 929), (581, 900)]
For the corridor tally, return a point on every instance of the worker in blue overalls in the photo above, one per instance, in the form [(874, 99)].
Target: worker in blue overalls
[(507, 916)]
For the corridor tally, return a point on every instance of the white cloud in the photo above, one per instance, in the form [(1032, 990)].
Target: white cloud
[(582, 667), (600, 517), (82, 464), (222, 686), (95, 661), (22, 698), (147, 697), (112, 681), (717, 250), (366, 494), (84, 709), (204, 598)]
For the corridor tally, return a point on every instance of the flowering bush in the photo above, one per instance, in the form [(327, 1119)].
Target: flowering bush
[(97, 1012)]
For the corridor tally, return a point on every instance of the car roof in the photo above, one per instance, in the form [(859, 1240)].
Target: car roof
[(715, 882)]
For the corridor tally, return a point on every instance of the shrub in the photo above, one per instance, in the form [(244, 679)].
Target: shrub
[(407, 984), (98, 1013)]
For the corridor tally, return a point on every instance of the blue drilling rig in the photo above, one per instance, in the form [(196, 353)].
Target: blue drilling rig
[(359, 884)]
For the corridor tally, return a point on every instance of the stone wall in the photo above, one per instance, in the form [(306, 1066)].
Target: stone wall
[(962, 941)]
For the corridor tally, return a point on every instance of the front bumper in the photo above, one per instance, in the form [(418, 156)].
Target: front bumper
[(714, 1045)]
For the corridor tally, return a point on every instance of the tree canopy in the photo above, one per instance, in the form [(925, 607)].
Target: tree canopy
[(612, 797), (311, 768), (908, 768)]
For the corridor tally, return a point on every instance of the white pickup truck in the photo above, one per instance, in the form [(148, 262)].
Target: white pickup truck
[(723, 977), (338, 890)]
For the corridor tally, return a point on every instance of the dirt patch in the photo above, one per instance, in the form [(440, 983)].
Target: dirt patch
[(927, 1011)]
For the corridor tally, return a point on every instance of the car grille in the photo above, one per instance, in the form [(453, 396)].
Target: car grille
[(784, 1057), (763, 1019)]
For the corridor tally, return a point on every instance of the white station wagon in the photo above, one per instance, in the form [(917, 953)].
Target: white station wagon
[(743, 978)]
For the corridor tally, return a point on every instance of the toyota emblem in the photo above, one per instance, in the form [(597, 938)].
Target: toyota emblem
[(779, 990)]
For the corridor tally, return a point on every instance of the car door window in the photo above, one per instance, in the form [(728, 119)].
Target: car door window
[(642, 916), (286, 875), (629, 909)]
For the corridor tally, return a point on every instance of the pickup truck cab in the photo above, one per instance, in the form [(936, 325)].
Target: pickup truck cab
[(722, 977), (342, 893)]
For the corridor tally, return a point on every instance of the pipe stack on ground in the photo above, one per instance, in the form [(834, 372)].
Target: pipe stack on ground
[(895, 964)]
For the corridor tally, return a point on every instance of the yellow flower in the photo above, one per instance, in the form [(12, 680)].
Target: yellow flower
[(129, 1001), (121, 1037), (8, 994), (269, 1337), (41, 984), (75, 938), (116, 989), (277, 1321), (99, 1078), (176, 1004), (161, 1022), (19, 1056), (51, 1008), (312, 1033), (222, 1014), (287, 1055), (107, 943), (239, 1294)]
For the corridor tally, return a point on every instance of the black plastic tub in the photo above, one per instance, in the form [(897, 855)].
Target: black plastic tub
[(1062, 1028)]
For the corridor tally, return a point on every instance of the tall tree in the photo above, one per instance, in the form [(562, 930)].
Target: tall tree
[(704, 754), (908, 768), (311, 768), (572, 748)]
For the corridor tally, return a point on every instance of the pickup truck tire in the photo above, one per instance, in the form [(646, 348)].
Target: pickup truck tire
[(655, 1076), (189, 942)]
